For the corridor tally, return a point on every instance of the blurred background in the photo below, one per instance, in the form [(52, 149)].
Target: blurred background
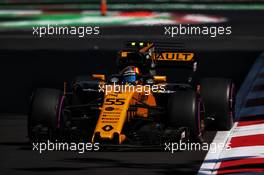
[(28, 61)]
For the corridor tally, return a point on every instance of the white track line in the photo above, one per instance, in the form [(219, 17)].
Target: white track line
[(250, 127), (211, 159), (239, 132), (240, 152)]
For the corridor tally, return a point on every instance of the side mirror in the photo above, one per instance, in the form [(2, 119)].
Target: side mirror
[(99, 76), (160, 79)]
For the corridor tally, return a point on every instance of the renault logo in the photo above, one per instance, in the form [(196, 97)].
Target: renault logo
[(107, 128)]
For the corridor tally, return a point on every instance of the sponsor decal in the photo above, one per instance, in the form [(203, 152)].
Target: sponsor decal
[(109, 108), (175, 56), (109, 122), (107, 128)]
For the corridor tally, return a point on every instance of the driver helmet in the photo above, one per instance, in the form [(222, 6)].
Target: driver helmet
[(130, 74)]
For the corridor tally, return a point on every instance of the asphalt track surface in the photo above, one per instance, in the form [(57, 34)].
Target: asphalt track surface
[(16, 154), (17, 157)]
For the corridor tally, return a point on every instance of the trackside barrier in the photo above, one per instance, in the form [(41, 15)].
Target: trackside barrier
[(246, 138), (248, 84)]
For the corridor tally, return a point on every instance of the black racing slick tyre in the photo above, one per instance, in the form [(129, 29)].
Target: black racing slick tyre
[(219, 99), (45, 117), (185, 110)]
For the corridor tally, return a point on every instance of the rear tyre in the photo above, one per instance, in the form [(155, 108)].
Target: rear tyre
[(45, 118), (185, 110), (219, 99)]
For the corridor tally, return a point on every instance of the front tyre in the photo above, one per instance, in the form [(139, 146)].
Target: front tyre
[(45, 118), (219, 98), (185, 109)]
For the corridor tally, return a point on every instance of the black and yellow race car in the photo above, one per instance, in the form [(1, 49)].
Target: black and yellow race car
[(136, 105)]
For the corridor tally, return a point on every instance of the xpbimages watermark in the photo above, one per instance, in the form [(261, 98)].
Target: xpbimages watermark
[(211, 31), (188, 146), (64, 146), (123, 88), (65, 30)]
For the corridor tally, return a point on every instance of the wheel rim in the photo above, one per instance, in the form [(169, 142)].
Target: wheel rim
[(200, 113), (231, 101), (59, 111)]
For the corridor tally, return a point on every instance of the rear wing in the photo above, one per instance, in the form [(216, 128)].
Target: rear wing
[(161, 53), (174, 56)]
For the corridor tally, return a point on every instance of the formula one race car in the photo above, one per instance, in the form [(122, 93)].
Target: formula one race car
[(135, 105)]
